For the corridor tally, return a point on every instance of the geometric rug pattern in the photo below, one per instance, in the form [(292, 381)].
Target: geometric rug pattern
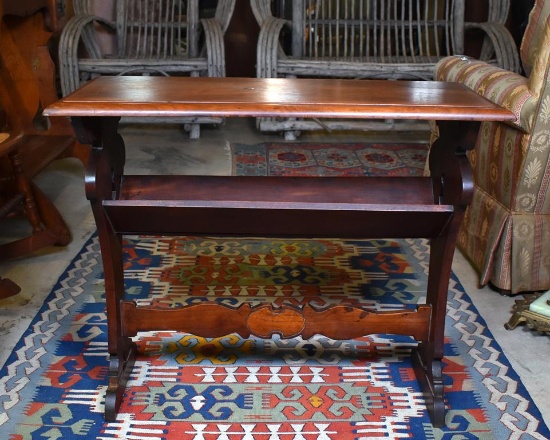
[(185, 386), (328, 159)]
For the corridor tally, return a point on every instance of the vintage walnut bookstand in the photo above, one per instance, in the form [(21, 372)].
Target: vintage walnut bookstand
[(362, 207)]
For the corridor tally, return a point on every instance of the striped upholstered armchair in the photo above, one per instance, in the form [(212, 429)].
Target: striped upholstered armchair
[(506, 231)]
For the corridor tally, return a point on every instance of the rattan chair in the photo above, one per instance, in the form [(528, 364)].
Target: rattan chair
[(376, 39), (150, 37)]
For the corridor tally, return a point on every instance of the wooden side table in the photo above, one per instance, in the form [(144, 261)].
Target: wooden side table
[(362, 207)]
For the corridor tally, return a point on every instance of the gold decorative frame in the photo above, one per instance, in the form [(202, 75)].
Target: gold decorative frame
[(521, 313)]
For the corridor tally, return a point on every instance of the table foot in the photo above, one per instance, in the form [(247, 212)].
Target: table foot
[(429, 373), (8, 288), (120, 368)]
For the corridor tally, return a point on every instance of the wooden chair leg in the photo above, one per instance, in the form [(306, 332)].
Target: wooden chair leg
[(48, 226), (24, 187)]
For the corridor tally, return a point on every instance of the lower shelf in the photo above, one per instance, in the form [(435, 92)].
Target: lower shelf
[(354, 207)]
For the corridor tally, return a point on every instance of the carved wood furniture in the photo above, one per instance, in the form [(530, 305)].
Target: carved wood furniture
[(30, 142), (278, 206), (152, 37), (382, 39)]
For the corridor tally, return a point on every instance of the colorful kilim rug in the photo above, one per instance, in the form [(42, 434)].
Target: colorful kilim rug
[(187, 387), (328, 159)]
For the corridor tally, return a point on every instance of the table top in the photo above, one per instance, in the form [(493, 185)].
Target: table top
[(128, 96)]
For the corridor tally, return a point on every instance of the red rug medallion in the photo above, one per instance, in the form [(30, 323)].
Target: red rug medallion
[(329, 159)]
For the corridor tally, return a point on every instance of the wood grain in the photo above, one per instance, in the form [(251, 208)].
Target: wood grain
[(253, 97)]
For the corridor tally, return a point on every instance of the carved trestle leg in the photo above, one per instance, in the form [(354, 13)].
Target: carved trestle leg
[(452, 183), (427, 358), (102, 182), (122, 350)]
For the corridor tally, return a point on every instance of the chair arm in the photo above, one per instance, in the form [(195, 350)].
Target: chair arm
[(498, 11), (507, 89), (261, 10), (499, 42), (269, 50), (78, 28), (224, 12), (214, 47)]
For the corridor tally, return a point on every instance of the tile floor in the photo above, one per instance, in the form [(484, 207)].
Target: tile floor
[(164, 149)]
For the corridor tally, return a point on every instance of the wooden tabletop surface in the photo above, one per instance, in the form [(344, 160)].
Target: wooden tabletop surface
[(254, 97)]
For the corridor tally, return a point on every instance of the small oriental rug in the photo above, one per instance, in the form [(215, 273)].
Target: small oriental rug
[(328, 159)]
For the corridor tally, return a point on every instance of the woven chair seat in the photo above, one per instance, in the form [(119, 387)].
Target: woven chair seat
[(149, 37)]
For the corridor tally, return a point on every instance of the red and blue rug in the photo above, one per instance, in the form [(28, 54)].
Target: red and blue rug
[(230, 388), (328, 159), (187, 387)]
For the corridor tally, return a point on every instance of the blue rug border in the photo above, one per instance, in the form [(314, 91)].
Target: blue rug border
[(511, 372), (57, 286)]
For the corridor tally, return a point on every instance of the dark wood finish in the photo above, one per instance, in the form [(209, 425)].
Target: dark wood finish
[(246, 97), (475, 12), (8, 288), (27, 85), (306, 207), (266, 206), (241, 40), (519, 17), (24, 8), (265, 321)]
